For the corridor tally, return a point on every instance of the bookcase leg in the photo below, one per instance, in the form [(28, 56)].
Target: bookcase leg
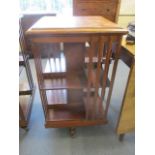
[(72, 131), (121, 137)]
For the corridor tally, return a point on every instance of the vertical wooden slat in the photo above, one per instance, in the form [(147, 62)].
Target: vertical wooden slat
[(42, 92), (89, 109), (49, 59), (106, 68), (59, 59), (37, 60), (29, 75), (101, 45), (99, 57), (113, 74), (21, 37)]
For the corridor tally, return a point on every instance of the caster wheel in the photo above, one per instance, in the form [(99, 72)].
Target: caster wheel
[(72, 132), (26, 129), (121, 137)]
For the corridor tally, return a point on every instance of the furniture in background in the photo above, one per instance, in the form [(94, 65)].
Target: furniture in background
[(126, 121), (73, 79), (27, 20), (26, 86), (106, 8)]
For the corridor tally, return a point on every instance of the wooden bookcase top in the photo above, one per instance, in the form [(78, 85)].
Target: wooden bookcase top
[(74, 25)]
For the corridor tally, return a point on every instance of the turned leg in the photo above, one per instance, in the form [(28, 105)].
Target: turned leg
[(72, 131)]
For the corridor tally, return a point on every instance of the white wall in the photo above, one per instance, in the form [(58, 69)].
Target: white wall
[(127, 12)]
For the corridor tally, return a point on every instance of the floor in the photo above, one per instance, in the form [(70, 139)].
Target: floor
[(97, 140)]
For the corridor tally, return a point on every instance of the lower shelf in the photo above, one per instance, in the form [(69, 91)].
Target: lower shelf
[(66, 118), (69, 108)]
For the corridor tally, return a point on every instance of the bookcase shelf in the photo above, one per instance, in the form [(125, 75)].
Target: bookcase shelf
[(71, 80)]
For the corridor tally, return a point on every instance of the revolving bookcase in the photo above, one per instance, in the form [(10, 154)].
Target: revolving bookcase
[(72, 60)]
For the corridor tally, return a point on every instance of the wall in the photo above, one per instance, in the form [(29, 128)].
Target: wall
[(127, 12)]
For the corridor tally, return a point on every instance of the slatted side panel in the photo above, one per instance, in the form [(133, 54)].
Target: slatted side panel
[(106, 66), (37, 59), (97, 104), (104, 51), (88, 102), (98, 101), (116, 51)]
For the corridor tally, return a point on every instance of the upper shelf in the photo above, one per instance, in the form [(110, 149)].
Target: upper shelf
[(70, 80), (56, 76), (74, 25)]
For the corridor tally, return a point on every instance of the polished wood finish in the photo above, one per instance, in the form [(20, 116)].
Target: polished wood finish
[(117, 55), (74, 25), (126, 121), (29, 19), (70, 78), (106, 8)]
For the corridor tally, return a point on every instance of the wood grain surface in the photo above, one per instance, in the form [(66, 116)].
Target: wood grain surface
[(71, 25)]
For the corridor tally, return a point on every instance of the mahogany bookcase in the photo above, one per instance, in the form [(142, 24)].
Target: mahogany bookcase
[(73, 78)]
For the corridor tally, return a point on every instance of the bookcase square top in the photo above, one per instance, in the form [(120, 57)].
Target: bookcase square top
[(74, 25)]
